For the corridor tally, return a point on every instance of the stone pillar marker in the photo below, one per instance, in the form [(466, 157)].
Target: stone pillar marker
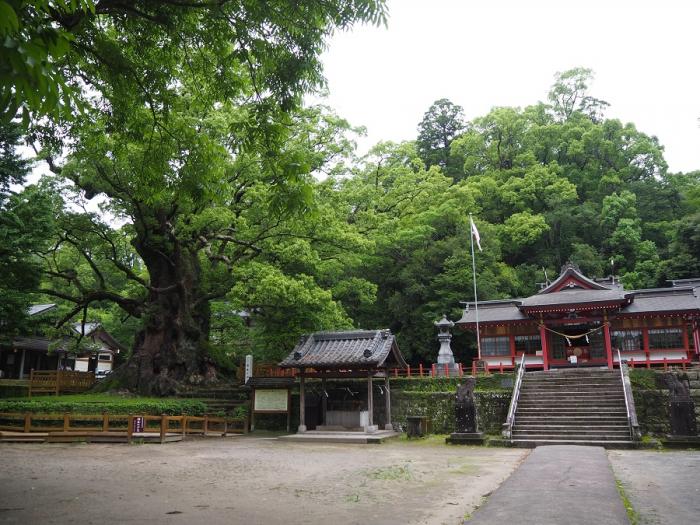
[(445, 355), (466, 425), (387, 400)]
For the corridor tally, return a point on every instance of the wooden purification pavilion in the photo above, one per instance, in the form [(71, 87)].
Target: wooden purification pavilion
[(356, 354)]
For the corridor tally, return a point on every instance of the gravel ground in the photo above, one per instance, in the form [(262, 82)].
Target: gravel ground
[(663, 487), (248, 479)]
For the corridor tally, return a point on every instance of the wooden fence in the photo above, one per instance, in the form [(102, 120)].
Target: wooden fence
[(59, 381), (86, 426)]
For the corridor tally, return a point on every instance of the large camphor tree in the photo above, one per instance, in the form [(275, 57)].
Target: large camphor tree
[(187, 126)]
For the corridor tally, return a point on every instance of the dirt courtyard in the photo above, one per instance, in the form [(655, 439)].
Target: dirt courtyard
[(248, 479)]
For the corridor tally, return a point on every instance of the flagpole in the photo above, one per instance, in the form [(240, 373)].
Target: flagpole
[(476, 301)]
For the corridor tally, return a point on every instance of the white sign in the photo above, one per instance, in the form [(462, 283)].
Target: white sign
[(248, 367), (271, 400)]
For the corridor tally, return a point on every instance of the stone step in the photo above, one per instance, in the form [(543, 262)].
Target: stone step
[(566, 401), (532, 443), (572, 419), (587, 396), (561, 382), (554, 435), (614, 410), (520, 425), (553, 405), (617, 431)]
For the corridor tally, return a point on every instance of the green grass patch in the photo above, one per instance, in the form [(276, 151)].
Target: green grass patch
[(431, 440), (631, 513), (392, 472), (643, 379), (101, 403)]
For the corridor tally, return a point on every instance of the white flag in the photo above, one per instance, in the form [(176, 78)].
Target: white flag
[(475, 233)]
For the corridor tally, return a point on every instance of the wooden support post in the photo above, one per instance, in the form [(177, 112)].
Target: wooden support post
[(58, 382), (130, 429), (545, 346), (184, 426), (163, 427), (370, 399), (225, 428), (408, 371), (21, 367), (387, 398), (105, 422), (302, 403), (27, 422), (66, 422), (205, 425), (324, 401), (420, 368), (608, 342)]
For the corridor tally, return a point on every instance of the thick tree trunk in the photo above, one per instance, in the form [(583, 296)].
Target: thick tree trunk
[(171, 349)]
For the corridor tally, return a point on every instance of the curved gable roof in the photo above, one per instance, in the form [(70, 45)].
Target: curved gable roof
[(355, 348), (571, 277)]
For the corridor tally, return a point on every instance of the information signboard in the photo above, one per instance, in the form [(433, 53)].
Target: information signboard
[(271, 400)]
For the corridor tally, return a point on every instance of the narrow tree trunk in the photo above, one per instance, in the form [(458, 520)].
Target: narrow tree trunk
[(170, 351)]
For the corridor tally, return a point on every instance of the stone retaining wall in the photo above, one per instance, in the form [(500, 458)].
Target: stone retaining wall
[(652, 399)]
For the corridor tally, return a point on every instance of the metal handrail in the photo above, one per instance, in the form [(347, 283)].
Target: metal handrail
[(629, 401), (508, 425), (624, 391)]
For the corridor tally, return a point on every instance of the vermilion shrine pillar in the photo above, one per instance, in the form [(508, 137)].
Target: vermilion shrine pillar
[(545, 349), (608, 342)]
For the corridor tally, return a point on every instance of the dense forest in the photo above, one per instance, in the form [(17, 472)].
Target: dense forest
[(201, 212)]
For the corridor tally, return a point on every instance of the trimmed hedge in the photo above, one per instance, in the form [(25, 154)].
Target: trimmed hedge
[(99, 404), (489, 383), (439, 407)]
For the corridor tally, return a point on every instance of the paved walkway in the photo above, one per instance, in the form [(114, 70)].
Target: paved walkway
[(662, 486), (554, 485)]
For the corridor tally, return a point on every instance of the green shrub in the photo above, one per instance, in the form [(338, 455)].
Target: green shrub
[(643, 379), (101, 403), (484, 383)]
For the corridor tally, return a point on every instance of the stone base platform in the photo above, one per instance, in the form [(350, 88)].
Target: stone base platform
[(327, 436), (466, 438), (681, 441)]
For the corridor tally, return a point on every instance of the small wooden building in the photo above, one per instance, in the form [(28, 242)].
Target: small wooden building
[(356, 354), (577, 321), (35, 351)]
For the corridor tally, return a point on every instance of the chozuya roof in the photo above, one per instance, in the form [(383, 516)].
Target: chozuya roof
[(574, 288), (349, 349)]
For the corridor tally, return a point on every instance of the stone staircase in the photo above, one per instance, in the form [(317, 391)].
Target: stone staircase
[(222, 397), (572, 407)]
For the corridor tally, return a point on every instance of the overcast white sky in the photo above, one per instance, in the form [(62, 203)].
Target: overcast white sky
[(481, 54)]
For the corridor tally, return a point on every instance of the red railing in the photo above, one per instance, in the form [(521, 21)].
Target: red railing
[(432, 370)]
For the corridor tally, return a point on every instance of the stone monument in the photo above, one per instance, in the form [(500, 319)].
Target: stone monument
[(684, 428), (446, 360), (466, 424)]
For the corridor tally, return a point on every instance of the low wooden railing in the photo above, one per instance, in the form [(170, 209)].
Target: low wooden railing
[(59, 381), (421, 370), (123, 424)]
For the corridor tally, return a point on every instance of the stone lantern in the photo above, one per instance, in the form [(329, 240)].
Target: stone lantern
[(446, 360)]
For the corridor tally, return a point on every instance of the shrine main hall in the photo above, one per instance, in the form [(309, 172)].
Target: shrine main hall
[(578, 321)]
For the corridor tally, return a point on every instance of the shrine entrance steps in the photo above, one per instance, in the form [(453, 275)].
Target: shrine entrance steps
[(572, 407)]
